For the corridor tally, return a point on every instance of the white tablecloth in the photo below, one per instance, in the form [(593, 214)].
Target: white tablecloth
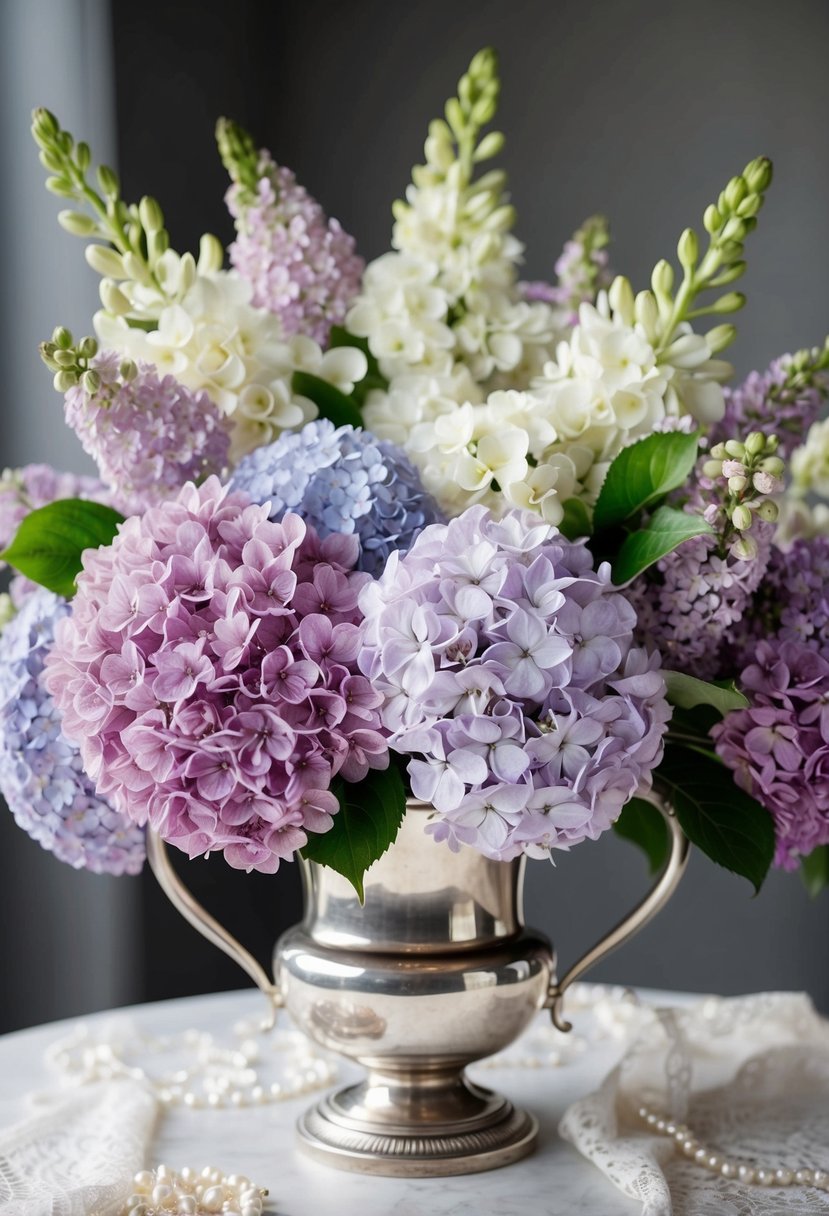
[(259, 1142)]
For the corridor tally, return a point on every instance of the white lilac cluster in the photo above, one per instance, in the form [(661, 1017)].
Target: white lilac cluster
[(608, 386), (510, 679), (339, 479), (446, 301), (208, 334), (42, 776)]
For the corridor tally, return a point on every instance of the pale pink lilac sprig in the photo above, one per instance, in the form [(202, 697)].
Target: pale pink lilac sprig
[(778, 747), (510, 678), (208, 674), (147, 433), (301, 264)]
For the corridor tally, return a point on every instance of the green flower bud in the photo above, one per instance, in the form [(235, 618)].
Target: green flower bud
[(718, 451), (737, 484), (60, 186), (732, 301), (662, 278), (44, 124), (772, 443), (758, 175), (621, 298), (712, 469), (769, 511), (157, 245), (687, 249), (735, 192), (730, 275), (712, 220), (151, 214), (489, 146), (720, 337), (646, 313), (77, 224), (90, 381), (755, 443), (113, 299), (47, 352), (454, 116), (731, 251), (51, 161), (127, 370), (83, 156), (741, 517), (64, 358), (108, 181), (735, 229), (211, 254), (484, 110), (773, 465), (62, 338), (137, 269), (750, 206), (735, 449), (64, 380), (745, 548), (87, 348), (105, 261)]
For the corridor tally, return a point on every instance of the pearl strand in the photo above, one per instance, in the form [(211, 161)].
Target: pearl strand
[(162, 1192), (729, 1167)]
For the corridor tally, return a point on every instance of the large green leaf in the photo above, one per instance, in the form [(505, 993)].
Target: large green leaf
[(331, 403), (687, 692), (644, 473), (367, 822), (641, 823), (717, 816), (665, 529), (50, 541), (576, 521), (815, 870)]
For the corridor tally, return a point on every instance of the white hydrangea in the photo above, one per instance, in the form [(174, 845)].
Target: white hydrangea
[(210, 337), (810, 462)]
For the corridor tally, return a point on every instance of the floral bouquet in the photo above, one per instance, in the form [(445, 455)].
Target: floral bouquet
[(417, 528)]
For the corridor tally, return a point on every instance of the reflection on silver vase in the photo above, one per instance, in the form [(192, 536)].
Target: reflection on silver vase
[(434, 971)]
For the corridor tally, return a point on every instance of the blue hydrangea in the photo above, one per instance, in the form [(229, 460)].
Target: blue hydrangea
[(342, 479), (41, 775)]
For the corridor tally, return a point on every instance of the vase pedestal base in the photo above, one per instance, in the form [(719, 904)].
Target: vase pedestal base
[(416, 1127)]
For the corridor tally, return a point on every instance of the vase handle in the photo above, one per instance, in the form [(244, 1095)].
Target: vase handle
[(186, 903), (657, 897)]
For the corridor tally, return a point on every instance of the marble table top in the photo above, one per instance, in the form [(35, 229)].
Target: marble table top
[(259, 1141)]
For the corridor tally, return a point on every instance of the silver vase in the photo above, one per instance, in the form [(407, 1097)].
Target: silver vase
[(434, 971)]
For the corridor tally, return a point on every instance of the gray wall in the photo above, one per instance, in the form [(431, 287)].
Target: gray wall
[(635, 107)]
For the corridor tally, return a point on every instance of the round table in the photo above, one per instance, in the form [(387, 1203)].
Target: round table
[(259, 1141)]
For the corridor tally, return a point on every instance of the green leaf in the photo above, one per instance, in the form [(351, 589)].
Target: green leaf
[(814, 870), (687, 692), (331, 403), (641, 823), (665, 529), (50, 541), (576, 521), (643, 473), (367, 822), (717, 816)]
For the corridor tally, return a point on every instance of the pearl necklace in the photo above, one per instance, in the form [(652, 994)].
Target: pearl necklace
[(161, 1192), (728, 1167), (210, 1075)]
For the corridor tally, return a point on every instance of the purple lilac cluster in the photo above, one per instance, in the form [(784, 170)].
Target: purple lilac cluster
[(342, 480), (41, 773), (778, 748), (689, 603), (148, 434), (791, 604), (208, 674), (301, 264), (30, 487), (582, 270), (769, 402), (509, 676)]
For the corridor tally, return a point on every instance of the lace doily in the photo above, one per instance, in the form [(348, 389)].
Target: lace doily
[(78, 1153), (750, 1076)]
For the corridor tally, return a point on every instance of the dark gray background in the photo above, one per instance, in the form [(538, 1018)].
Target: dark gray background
[(639, 108)]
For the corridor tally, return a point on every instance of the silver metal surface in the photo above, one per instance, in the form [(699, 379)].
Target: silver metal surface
[(435, 971)]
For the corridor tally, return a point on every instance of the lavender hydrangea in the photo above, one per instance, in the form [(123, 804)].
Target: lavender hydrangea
[(509, 677), (342, 480), (41, 773), (778, 747), (301, 264), (147, 433)]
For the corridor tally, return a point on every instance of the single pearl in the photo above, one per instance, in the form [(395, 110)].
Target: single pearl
[(213, 1198), (215, 1100), (783, 1177), (161, 1194), (745, 1173), (765, 1177), (144, 1180), (669, 1129), (252, 1209), (701, 1156), (187, 1176), (690, 1146), (187, 1205), (804, 1177), (820, 1179), (713, 1161), (660, 1126), (728, 1169)]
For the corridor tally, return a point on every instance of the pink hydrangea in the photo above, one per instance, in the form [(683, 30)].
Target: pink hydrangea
[(208, 673), (510, 678)]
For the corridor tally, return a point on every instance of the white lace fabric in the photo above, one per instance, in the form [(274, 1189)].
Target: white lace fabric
[(748, 1075), (78, 1153)]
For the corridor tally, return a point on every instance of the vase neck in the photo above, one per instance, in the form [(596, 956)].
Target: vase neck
[(419, 897)]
